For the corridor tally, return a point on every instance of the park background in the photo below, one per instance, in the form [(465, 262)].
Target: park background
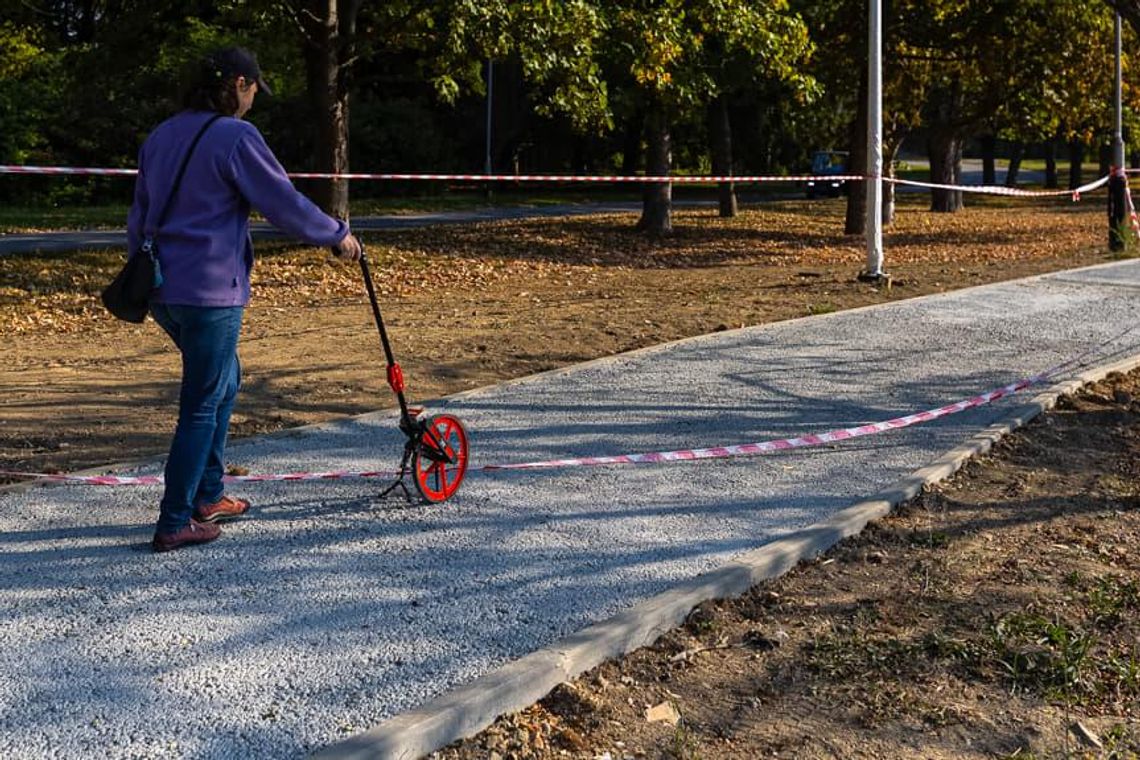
[(581, 87)]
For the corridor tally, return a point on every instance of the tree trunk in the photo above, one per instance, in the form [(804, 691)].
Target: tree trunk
[(328, 33), (944, 147), (657, 202), (1076, 158), (856, 221), (631, 144), (1051, 164), (720, 134), (1017, 150), (989, 171)]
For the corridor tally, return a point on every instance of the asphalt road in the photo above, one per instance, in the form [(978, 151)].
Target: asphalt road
[(327, 611), (56, 242)]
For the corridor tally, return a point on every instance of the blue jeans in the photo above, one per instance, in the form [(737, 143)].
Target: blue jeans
[(207, 337)]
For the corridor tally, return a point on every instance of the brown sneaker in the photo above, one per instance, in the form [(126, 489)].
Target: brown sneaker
[(225, 508), (194, 533)]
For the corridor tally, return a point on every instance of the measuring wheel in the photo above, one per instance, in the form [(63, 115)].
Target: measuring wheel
[(436, 447), (440, 459)]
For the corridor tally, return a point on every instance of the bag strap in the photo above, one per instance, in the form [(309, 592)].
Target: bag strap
[(148, 241)]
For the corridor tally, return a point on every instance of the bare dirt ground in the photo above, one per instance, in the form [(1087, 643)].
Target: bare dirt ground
[(996, 616)]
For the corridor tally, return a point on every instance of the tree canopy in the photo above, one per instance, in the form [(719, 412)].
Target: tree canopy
[(582, 85)]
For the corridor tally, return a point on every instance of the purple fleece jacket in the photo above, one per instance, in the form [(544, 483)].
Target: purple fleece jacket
[(204, 247)]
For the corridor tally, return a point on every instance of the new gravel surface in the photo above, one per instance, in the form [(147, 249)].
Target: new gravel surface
[(328, 611)]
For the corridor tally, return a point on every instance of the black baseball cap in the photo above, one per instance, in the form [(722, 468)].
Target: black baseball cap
[(238, 62)]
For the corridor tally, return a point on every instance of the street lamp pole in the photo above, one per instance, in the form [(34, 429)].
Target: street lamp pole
[(874, 271), (1117, 184)]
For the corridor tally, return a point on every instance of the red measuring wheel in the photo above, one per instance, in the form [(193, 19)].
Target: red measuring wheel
[(440, 459)]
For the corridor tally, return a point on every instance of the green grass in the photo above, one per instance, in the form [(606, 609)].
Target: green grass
[(1113, 600), (26, 219), (1043, 655)]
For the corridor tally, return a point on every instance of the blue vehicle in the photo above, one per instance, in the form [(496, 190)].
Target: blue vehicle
[(825, 163)]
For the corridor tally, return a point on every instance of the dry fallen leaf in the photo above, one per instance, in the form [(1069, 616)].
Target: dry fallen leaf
[(664, 712)]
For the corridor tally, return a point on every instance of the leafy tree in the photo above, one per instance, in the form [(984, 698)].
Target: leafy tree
[(840, 28), (950, 42), (663, 61), (554, 44), (678, 57), (1001, 65), (91, 91), (449, 41), (743, 52), (22, 92)]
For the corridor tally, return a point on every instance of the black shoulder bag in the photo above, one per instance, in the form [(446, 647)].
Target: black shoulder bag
[(128, 295)]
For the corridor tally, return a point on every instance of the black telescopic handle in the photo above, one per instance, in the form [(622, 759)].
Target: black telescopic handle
[(393, 368), (376, 308)]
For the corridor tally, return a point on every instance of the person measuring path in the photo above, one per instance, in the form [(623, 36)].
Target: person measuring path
[(328, 610)]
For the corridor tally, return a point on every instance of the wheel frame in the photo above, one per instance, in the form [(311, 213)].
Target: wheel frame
[(447, 475)]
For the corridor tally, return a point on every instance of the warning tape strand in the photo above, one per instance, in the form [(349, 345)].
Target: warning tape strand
[(831, 436), (609, 178), (1002, 190), (782, 444), (427, 176)]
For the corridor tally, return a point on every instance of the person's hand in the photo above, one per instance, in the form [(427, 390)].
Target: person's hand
[(349, 248)]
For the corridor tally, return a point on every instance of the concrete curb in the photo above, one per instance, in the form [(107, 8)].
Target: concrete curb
[(468, 709)]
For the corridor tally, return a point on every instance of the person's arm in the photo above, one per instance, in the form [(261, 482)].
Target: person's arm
[(263, 182)]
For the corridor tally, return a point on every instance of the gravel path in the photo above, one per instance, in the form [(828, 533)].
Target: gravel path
[(328, 611)]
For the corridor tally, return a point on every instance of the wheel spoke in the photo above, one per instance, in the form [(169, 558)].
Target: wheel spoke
[(438, 479), (444, 438)]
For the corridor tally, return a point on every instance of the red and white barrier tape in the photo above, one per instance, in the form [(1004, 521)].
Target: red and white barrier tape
[(682, 455), (1129, 207), (784, 444), (610, 178), (1001, 190), (156, 480), (615, 178), (652, 179), (67, 170)]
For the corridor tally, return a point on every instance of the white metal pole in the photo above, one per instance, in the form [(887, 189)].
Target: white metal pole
[(875, 141), (1117, 184)]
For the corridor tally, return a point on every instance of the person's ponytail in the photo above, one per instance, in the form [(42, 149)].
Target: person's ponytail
[(206, 89)]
